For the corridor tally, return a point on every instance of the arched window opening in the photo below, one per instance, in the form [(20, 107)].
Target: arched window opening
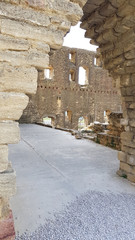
[(72, 75), (83, 76), (49, 73)]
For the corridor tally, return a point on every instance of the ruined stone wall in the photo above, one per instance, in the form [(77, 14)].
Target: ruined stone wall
[(111, 136), (111, 24), (28, 29), (88, 101)]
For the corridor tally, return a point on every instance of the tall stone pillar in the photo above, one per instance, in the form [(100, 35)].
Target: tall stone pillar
[(28, 30), (111, 25)]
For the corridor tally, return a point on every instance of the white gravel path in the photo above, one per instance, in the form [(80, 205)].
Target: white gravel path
[(92, 216)]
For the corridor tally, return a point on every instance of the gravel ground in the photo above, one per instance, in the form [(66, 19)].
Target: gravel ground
[(92, 216)]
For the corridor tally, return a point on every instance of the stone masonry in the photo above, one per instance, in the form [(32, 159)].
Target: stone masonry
[(28, 30), (111, 136), (111, 24), (61, 93)]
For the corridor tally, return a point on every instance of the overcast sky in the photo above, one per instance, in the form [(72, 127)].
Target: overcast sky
[(76, 39)]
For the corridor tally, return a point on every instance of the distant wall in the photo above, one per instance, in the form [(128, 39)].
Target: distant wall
[(62, 96)]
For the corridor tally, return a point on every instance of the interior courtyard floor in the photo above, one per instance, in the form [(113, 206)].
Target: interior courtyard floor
[(68, 189)]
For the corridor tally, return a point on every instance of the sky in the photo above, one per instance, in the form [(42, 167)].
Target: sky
[(75, 39)]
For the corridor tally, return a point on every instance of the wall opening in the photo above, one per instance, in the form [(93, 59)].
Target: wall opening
[(58, 102), (72, 56), (83, 75), (49, 73), (105, 117), (47, 121), (72, 75), (97, 61), (68, 116), (82, 122)]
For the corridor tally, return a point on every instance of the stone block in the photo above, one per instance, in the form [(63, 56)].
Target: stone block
[(7, 231), (32, 58), (131, 160), (71, 10), (122, 156), (128, 136), (3, 158), (130, 54), (125, 167), (107, 10), (24, 30), (131, 113), (18, 79), (122, 173), (125, 80), (20, 13), (40, 46), (11, 43), (12, 105), (125, 10), (117, 3), (7, 183), (9, 132), (131, 177), (132, 123), (133, 79), (132, 106), (128, 150), (111, 22), (124, 122)]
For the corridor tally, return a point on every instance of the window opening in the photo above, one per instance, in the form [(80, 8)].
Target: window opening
[(72, 56), (59, 102), (83, 75), (47, 121), (68, 116), (72, 75), (49, 73), (81, 123)]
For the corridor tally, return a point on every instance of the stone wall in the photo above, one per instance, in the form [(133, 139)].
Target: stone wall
[(111, 136), (59, 94), (28, 30), (110, 24)]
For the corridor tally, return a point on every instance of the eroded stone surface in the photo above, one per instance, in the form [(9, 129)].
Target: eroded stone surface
[(3, 157), (28, 30), (7, 231), (112, 29)]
